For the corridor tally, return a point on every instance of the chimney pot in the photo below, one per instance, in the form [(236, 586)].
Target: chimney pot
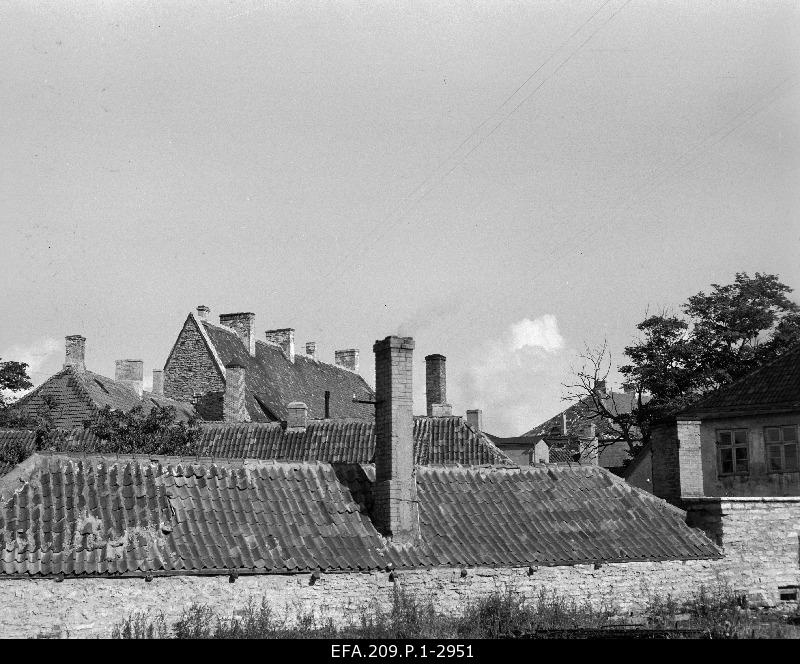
[(327, 404), (475, 419), (203, 312), (347, 358), (395, 492), (244, 325), (130, 372), (298, 415), (234, 405), (311, 349), (75, 347), (284, 338), (158, 382)]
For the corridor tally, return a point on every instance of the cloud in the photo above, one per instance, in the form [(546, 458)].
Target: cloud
[(516, 378), (41, 356), (541, 333)]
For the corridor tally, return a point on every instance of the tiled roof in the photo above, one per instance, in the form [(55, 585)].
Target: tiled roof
[(437, 440), (132, 516), (774, 386), (79, 394), (274, 381), (561, 455), (579, 414), (614, 454)]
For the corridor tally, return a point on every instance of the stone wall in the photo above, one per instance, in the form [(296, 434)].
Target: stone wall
[(191, 374), (760, 538), (90, 607), (664, 448)]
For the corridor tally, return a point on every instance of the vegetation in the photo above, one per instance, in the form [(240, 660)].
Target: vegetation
[(711, 614), (717, 338)]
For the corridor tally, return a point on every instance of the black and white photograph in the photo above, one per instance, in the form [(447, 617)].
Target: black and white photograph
[(400, 329)]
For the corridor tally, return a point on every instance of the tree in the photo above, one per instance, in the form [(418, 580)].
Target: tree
[(716, 338), (156, 431), (13, 378)]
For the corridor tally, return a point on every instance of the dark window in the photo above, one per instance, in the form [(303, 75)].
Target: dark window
[(781, 446), (788, 593), (732, 452)]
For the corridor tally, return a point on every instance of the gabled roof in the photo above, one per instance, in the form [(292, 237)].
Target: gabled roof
[(773, 387), (437, 440), (579, 414), (77, 516), (78, 395), (273, 381)]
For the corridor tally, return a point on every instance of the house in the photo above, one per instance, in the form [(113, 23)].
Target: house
[(731, 460), (88, 539), (75, 394), (585, 436), (209, 358)]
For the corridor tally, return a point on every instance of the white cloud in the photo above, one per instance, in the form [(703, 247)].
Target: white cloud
[(541, 333), (516, 379), (41, 356)]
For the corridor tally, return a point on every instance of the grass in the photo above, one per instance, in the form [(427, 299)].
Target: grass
[(715, 613)]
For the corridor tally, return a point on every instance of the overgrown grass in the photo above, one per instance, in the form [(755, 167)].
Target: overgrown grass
[(712, 613)]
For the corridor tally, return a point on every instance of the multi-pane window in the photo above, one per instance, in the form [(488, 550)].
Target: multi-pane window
[(781, 446), (732, 451)]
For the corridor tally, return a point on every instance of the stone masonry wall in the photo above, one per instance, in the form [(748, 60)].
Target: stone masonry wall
[(760, 538), (91, 607), (191, 374)]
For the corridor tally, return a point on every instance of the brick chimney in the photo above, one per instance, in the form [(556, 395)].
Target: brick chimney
[(475, 419), (298, 416), (158, 382), (203, 312), (395, 510), (244, 325), (347, 358), (436, 386), (130, 372), (600, 387), (234, 408), (75, 347), (589, 446), (311, 349), (284, 338)]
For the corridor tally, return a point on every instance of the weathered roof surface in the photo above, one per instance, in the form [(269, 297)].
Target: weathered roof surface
[(94, 515), (274, 381), (437, 440), (772, 387), (613, 455), (78, 395), (579, 415), (561, 455)]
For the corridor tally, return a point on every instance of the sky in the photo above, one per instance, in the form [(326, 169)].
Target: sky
[(507, 182)]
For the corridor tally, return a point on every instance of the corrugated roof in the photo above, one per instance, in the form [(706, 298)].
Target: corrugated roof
[(773, 387), (94, 515), (274, 381), (78, 395)]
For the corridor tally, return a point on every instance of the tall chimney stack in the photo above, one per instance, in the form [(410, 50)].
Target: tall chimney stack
[(311, 349), (243, 324), (436, 386), (75, 347), (203, 312), (475, 419), (395, 510), (130, 372), (234, 407), (347, 358), (284, 338), (158, 382)]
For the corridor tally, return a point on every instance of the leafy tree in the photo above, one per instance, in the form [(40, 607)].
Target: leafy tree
[(156, 431), (13, 378), (716, 338)]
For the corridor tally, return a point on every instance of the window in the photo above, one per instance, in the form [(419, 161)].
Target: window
[(788, 593), (781, 446), (732, 455)]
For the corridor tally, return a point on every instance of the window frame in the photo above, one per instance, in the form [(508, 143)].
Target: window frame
[(781, 445), (732, 445)]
